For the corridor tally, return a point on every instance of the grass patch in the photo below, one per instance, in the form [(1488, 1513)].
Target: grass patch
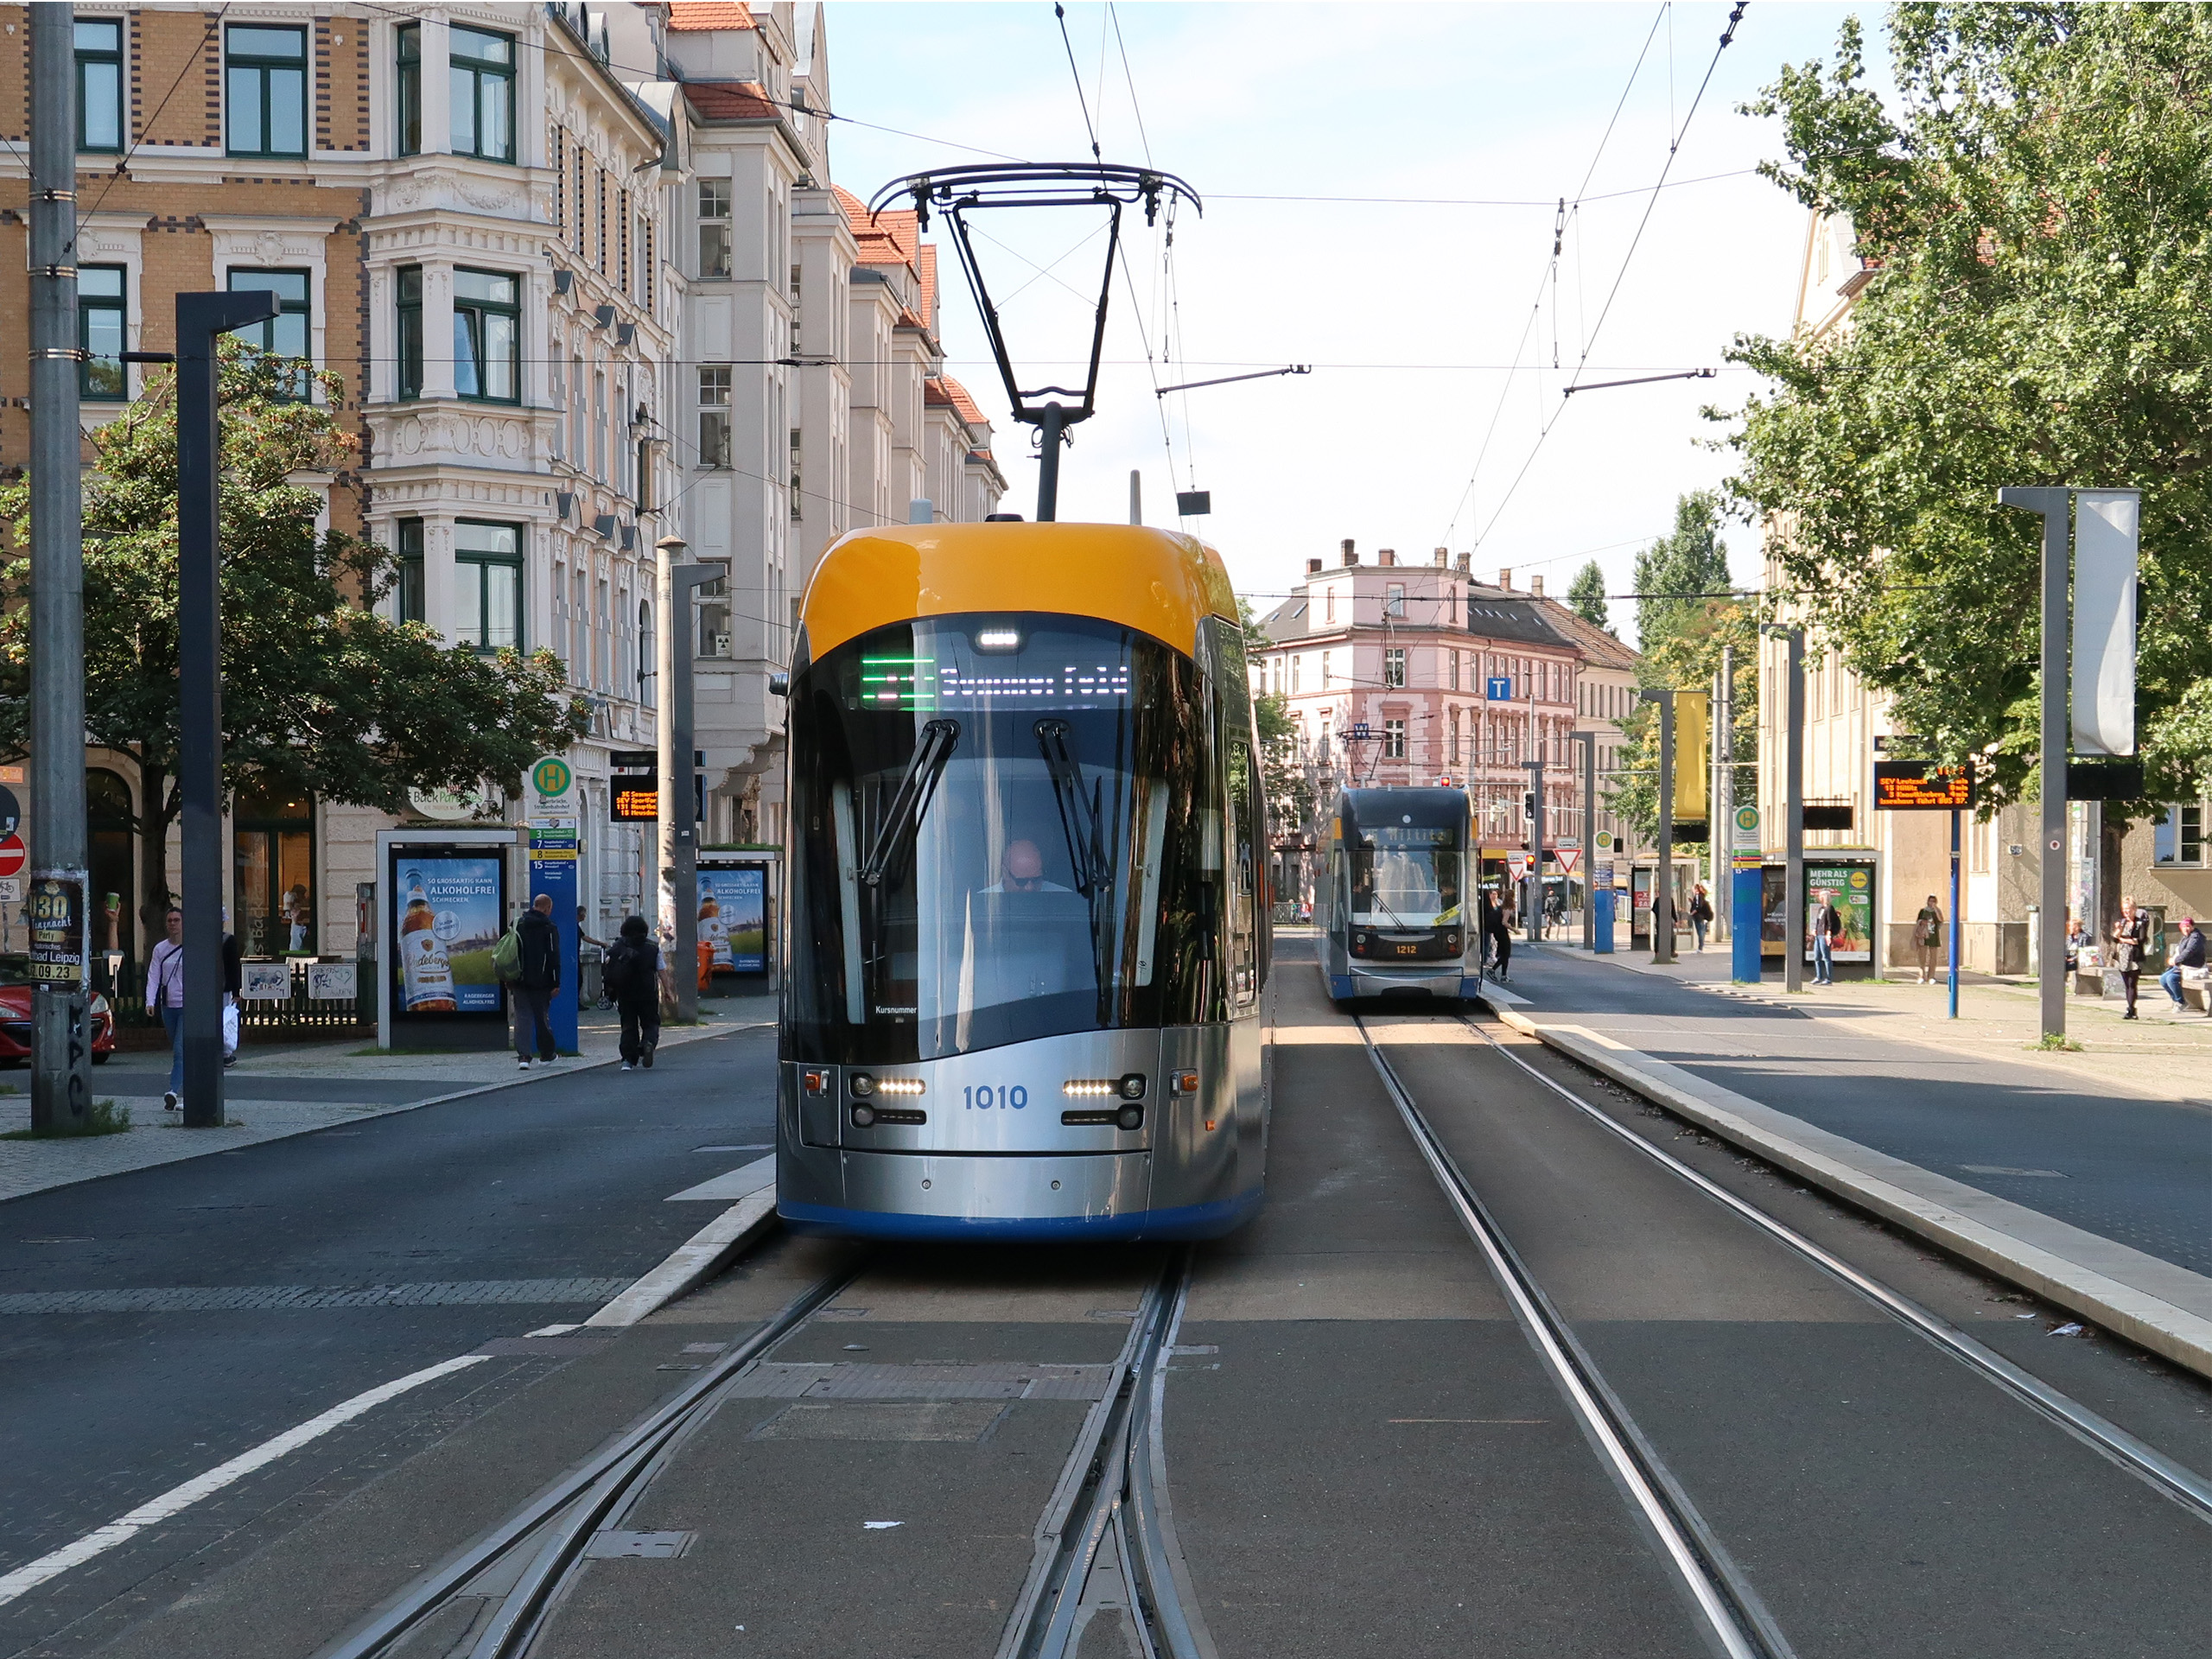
[(106, 1118), (2052, 1043)]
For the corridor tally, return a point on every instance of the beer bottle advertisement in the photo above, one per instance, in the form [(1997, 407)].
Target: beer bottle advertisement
[(448, 923)]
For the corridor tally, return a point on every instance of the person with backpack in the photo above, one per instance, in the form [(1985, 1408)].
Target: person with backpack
[(631, 976), (528, 959), (1700, 913)]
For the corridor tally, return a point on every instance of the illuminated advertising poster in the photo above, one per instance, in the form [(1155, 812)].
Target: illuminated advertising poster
[(1850, 888), (444, 924), (734, 917)]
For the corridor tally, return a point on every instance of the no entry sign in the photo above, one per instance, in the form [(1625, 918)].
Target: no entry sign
[(13, 855)]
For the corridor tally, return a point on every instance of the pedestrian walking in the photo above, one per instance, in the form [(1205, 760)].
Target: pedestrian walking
[(165, 991), (1700, 913), (632, 979), (1927, 936), (537, 976), (233, 988), (2187, 954), (2131, 938), (1499, 933), (1827, 926)]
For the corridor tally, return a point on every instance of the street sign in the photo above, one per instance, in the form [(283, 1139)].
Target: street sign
[(1500, 689), (1604, 840), (1914, 785), (11, 813), (1565, 857), (1747, 852), (1518, 863), (13, 855)]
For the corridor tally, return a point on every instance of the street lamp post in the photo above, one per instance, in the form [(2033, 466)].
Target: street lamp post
[(2056, 506), (1793, 784), (679, 839)]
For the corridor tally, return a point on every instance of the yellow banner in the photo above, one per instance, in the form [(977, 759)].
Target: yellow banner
[(1692, 756)]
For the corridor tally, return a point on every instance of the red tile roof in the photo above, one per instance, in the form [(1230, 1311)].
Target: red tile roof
[(963, 403), (926, 254), (731, 100), (889, 238), (710, 14)]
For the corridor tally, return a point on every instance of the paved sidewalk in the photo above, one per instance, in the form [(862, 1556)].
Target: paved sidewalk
[(2158, 1057), (296, 1089)]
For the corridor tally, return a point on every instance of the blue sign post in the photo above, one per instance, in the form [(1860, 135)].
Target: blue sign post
[(553, 848), (1746, 897)]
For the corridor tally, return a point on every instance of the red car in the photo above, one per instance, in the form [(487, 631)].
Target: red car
[(15, 1015)]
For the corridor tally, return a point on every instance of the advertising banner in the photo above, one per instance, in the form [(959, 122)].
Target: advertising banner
[(265, 982), (445, 922), (56, 911), (734, 917), (1850, 888)]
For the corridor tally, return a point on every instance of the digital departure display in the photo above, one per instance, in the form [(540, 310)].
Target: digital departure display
[(1913, 786), (634, 805)]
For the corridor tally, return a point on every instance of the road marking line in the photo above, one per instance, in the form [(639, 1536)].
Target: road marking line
[(100, 1540)]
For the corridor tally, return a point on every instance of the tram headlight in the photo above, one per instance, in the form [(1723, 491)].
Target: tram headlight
[(864, 1116), (1129, 1117), (1133, 1086), (998, 638), (863, 1085)]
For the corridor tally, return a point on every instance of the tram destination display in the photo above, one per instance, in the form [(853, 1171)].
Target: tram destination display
[(1914, 787)]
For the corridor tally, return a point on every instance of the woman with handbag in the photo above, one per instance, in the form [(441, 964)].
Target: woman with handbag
[(2131, 938), (1927, 936)]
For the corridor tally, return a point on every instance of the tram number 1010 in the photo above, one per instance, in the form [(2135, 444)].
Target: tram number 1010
[(985, 1098)]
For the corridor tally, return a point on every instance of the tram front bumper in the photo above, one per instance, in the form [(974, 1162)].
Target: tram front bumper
[(1431, 979)]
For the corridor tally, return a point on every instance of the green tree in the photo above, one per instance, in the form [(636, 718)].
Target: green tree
[(1586, 595), (2039, 313), (1683, 620), (320, 694)]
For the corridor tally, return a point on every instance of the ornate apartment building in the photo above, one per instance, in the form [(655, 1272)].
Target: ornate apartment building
[(1387, 669)]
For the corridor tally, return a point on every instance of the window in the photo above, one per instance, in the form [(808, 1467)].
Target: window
[(1452, 750), (579, 221), (713, 417), (644, 479), (599, 425), (1454, 668), (1324, 670), (410, 570), (579, 632), (1394, 739), (102, 312), (798, 495), (602, 642), (622, 233), (486, 322), (483, 82), (409, 290), (795, 304), (273, 873), (1395, 599), (713, 612), (1294, 662), (2179, 838), (286, 334), (647, 675), (713, 229), (1332, 602), (265, 86), (1393, 665), (410, 89), (100, 85), (487, 585)]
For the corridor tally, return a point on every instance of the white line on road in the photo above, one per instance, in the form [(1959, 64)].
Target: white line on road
[(100, 1540)]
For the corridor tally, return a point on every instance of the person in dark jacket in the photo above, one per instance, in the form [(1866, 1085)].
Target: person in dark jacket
[(2131, 942), (536, 979), (2188, 952), (1499, 935), (632, 979)]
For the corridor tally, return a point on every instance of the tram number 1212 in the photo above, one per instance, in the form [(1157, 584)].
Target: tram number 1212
[(985, 1098)]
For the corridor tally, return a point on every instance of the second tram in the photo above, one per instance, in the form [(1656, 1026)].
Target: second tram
[(1400, 915), (1029, 923)]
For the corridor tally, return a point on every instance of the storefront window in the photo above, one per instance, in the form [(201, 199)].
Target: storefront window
[(273, 883)]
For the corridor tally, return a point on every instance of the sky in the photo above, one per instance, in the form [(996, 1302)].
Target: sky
[(1433, 416)]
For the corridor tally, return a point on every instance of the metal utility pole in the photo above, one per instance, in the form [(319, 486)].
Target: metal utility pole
[(1720, 841), (60, 1037), (1662, 890), (1793, 782), (679, 837), (1136, 496), (199, 319), (1533, 918), (2055, 505), (1589, 742)]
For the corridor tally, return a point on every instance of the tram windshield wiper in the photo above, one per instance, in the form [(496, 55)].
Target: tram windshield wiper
[(916, 789), (1078, 818)]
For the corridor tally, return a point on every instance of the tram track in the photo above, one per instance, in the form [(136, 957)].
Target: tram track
[(1729, 1610), (1106, 1539), (551, 1534)]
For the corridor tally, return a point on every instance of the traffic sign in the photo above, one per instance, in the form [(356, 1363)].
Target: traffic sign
[(13, 855), (1518, 863), (1565, 856), (1500, 689)]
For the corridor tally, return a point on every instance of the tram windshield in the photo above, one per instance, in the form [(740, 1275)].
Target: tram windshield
[(1406, 852), (987, 811)]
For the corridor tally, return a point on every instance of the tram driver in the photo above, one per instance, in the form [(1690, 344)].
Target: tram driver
[(1022, 870)]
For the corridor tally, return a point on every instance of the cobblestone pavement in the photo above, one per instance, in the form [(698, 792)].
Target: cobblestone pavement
[(335, 1084)]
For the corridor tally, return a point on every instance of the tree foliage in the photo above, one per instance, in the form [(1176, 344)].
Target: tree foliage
[(1586, 596), (1673, 573), (320, 694), (2038, 215)]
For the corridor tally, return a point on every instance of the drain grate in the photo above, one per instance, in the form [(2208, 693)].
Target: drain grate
[(617, 1545)]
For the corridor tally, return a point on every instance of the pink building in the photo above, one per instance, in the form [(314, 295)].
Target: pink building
[(1388, 668)]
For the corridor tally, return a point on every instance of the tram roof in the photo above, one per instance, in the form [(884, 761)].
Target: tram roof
[(1157, 581)]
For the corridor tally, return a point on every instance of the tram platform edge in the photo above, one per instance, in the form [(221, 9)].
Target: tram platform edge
[(2155, 1304)]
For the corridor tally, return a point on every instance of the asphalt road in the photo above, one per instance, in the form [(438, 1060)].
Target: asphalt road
[(2132, 1170), (490, 1216)]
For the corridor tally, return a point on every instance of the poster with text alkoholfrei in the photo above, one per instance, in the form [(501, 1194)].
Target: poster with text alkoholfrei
[(447, 923)]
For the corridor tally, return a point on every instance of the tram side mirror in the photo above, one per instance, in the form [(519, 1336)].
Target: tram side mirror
[(779, 685)]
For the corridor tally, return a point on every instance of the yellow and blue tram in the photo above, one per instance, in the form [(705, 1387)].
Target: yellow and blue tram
[(1028, 925), (1399, 912)]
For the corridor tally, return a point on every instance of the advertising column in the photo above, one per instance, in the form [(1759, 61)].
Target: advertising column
[(554, 825)]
